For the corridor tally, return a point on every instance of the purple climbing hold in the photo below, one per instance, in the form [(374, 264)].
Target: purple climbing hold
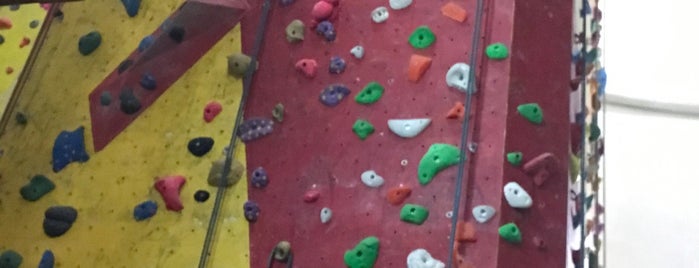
[(337, 65), (327, 30), (252, 211), (259, 178), (69, 147), (286, 2), (148, 82), (255, 128), (332, 95)]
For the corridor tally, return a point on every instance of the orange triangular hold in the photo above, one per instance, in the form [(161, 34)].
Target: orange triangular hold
[(418, 66), (465, 232), (457, 112), (454, 12)]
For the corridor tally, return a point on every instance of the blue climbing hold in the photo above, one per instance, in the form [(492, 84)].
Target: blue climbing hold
[(131, 6), (148, 82), (69, 147), (601, 81), (337, 65), (585, 9), (145, 43), (327, 30), (145, 210), (332, 95), (47, 260)]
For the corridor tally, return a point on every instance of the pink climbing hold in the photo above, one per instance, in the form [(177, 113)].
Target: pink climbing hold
[(322, 10), (311, 196), (542, 167), (46, 6), (308, 67), (169, 187), (211, 111), (5, 23)]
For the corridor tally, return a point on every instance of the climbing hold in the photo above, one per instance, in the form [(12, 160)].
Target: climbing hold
[(398, 194), (332, 95), (129, 103), (595, 131), (337, 65), (2, 39), (105, 98), (169, 188), (496, 51), (10, 259), (148, 82), (458, 77), (515, 158), (399, 4), (483, 213), (379, 15), (124, 65), (532, 112), (234, 173), (539, 242), (37, 187), (131, 7), (5, 23), (371, 179), (308, 67), (357, 52), (259, 178), (89, 43), (414, 214), (255, 128), (200, 146), (21, 118), (278, 112), (251, 211), (457, 112), (542, 167), (420, 258), (145, 43), (322, 10), (465, 231), (286, 2), (362, 128), (295, 31), (47, 259), (145, 210), (417, 67), (211, 110), (58, 220), (516, 196), (238, 64), (510, 232), (438, 157), (201, 196), (371, 93), (327, 30), (325, 215), (14, 7), (33, 24), (176, 33), (454, 11), (282, 251), (422, 37), (364, 254), (69, 147), (311, 196), (9, 70), (408, 128)]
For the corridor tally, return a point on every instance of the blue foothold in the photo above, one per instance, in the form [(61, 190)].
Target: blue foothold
[(332, 95), (602, 81), (146, 42), (69, 147), (145, 210), (131, 6), (337, 65), (47, 260), (327, 30), (148, 82)]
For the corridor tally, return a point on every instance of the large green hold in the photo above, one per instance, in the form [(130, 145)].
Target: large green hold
[(362, 128), (497, 51), (89, 43), (438, 157), (414, 214), (38, 186), (10, 259), (363, 255), (515, 158), (510, 232), (422, 37), (532, 112), (371, 93)]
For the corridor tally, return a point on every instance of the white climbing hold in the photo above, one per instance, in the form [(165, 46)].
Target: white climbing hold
[(408, 128), (483, 213), (357, 52), (516, 196), (458, 76), (371, 179), (379, 15), (399, 4), (325, 215), (420, 258), (449, 214)]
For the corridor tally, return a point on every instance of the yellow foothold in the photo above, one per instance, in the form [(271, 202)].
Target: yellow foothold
[(295, 31)]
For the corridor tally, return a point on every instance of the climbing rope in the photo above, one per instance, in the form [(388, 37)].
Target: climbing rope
[(247, 82)]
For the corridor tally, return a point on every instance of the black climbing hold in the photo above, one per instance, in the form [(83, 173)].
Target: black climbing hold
[(177, 33), (58, 220), (21, 118), (145, 43), (129, 103), (89, 43), (200, 146), (201, 196), (148, 82), (124, 65), (69, 147), (58, 14), (36, 188), (2, 39), (105, 98), (33, 24), (10, 259), (14, 7)]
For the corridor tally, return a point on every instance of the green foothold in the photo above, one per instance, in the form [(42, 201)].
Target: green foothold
[(363, 255), (422, 37), (515, 158), (10, 259), (438, 157), (414, 214), (371, 93), (595, 131), (362, 128), (278, 112), (510, 232), (89, 43), (532, 112), (497, 51), (574, 167), (37, 187)]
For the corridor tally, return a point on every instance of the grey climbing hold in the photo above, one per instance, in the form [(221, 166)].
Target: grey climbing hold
[(399, 4), (238, 64), (105, 98), (408, 128), (282, 250), (325, 215), (483, 213), (420, 258), (234, 173), (255, 128), (357, 52), (516, 196), (371, 179), (278, 112), (33, 24), (129, 103), (458, 76), (295, 31), (379, 15), (21, 118), (176, 33)]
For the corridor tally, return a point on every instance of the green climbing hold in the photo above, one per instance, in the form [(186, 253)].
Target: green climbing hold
[(362, 128), (422, 37), (595, 131), (10, 259), (510, 232), (532, 112), (371, 93), (38, 186), (515, 158), (438, 157), (414, 214), (89, 42), (574, 167), (497, 51), (363, 255)]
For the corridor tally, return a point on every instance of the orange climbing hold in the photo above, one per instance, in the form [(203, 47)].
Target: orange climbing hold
[(465, 231), (457, 112), (5, 23), (454, 12), (25, 42), (9, 70), (418, 66), (397, 195)]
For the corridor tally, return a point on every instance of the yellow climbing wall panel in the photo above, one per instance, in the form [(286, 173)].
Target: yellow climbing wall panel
[(105, 189)]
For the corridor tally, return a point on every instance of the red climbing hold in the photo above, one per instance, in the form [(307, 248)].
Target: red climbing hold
[(169, 187), (5, 23), (542, 167), (397, 195), (9, 70), (311, 196), (322, 10), (457, 112), (465, 231), (211, 111), (308, 67), (25, 42)]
